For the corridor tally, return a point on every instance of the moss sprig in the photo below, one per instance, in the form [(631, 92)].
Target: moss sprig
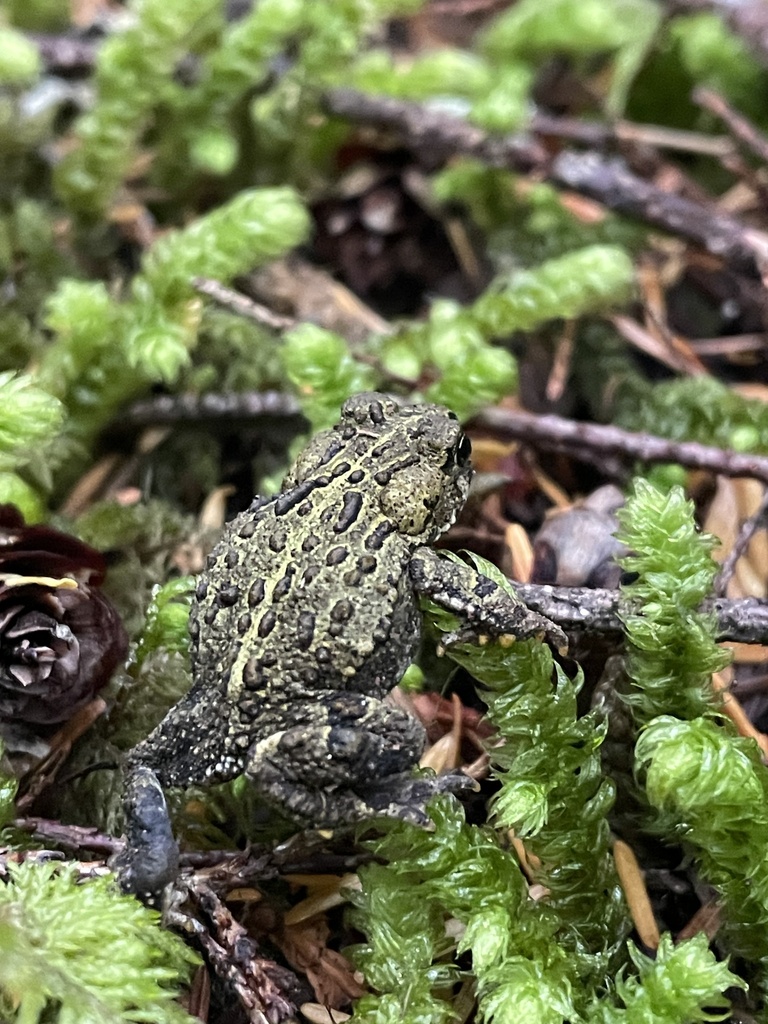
[(497, 99), (694, 409), (106, 350), (715, 56), (553, 793), (585, 281), (532, 30), (444, 72), (19, 58), (254, 227), (83, 954), (29, 420), (459, 871), (323, 371), (322, 39), (454, 344), (682, 983), (456, 340), (708, 786), (524, 223), (133, 72), (166, 627), (237, 65), (711, 791), (672, 650)]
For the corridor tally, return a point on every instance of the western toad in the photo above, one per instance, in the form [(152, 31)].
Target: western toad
[(307, 616)]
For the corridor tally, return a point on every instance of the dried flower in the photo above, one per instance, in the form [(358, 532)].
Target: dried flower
[(60, 638)]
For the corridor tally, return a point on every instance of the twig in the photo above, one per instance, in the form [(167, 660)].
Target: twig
[(732, 707), (436, 133), (574, 438), (606, 179), (39, 778), (636, 893), (672, 355), (740, 127), (729, 344), (258, 982), (238, 303), (599, 134), (582, 609), (171, 410), (747, 531), (73, 837)]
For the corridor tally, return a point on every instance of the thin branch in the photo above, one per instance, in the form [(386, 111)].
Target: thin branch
[(739, 126), (173, 410), (610, 182), (435, 133), (440, 135), (238, 303), (582, 610), (747, 531), (589, 439), (260, 983), (73, 837), (600, 134)]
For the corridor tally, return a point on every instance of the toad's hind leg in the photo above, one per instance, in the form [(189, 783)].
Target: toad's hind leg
[(350, 760)]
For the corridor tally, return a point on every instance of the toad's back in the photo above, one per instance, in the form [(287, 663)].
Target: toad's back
[(310, 590), (306, 592)]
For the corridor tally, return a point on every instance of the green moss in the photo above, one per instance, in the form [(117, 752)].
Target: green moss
[(321, 368), (711, 792), (60, 944), (29, 420), (19, 59), (107, 351), (133, 73), (553, 793), (682, 982), (694, 409), (672, 652)]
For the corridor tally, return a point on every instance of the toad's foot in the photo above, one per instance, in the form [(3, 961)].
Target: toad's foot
[(402, 796), (407, 798)]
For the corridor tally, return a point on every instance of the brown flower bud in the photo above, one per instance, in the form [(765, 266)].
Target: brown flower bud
[(60, 638)]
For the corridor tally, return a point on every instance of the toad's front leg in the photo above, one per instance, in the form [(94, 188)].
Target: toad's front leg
[(194, 744), (483, 606), (150, 857)]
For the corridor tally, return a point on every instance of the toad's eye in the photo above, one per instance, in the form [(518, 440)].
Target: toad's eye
[(463, 449)]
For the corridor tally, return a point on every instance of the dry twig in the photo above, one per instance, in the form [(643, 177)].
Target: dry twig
[(587, 610), (260, 984), (240, 304), (606, 179), (740, 127), (586, 440)]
